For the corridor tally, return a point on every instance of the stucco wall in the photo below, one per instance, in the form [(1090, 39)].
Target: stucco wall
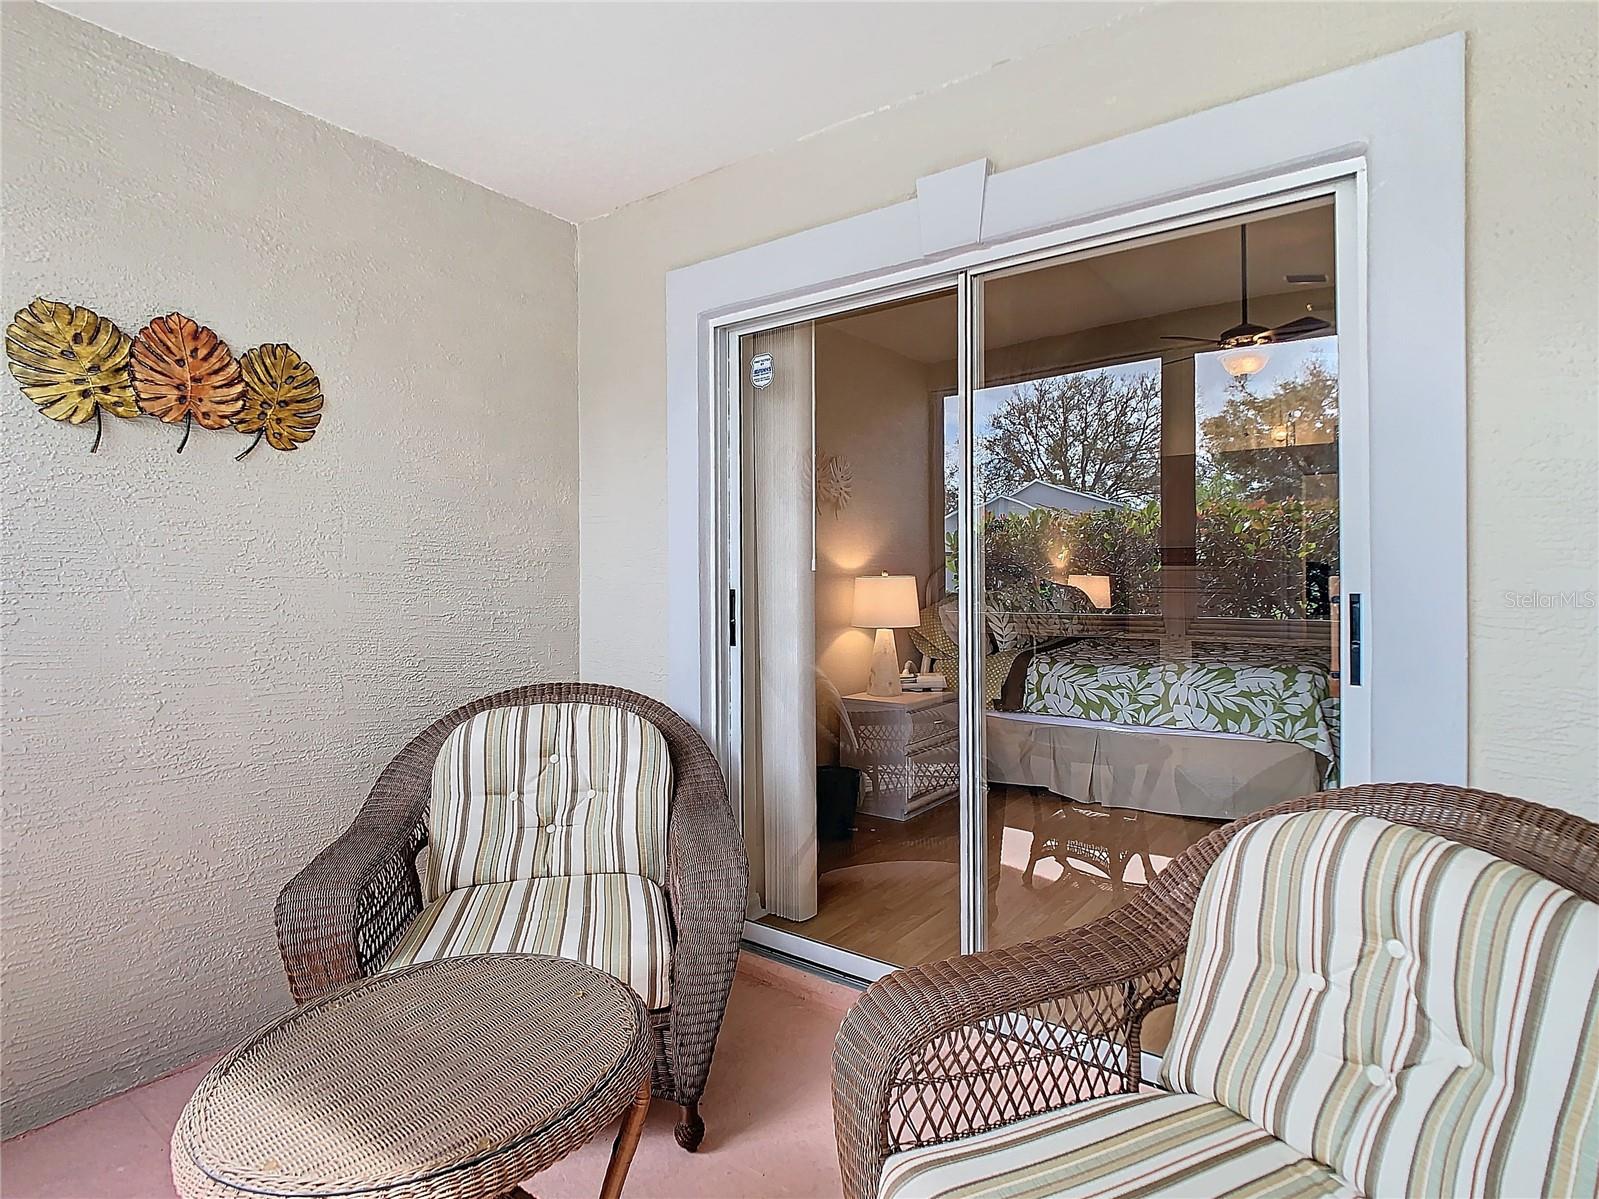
[(1532, 147), (206, 662), (876, 410)]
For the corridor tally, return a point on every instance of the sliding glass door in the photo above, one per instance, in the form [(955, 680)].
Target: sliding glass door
[(1037, 583), (851, 701), (1156, 456)]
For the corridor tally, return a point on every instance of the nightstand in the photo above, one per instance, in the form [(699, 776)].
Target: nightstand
[(907, 749)]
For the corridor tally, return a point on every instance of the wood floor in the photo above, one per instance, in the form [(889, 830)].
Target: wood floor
[(891, 891)]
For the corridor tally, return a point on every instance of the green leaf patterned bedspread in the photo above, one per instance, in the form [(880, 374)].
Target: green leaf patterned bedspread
[(1251, 690)]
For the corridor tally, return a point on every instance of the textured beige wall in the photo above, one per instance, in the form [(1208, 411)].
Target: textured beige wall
[(207, 662), (875, 409), (1532, 151)]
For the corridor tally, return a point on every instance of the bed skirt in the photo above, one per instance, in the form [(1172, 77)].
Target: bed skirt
[(1218, 776)]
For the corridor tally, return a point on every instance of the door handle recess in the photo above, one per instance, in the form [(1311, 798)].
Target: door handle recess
[(1356, 663)]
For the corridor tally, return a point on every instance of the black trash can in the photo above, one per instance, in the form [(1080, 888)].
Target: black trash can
[(838, 790)]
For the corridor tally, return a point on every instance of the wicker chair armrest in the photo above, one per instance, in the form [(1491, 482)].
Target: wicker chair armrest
[(339, 918), (708, 885), (953, 1048)]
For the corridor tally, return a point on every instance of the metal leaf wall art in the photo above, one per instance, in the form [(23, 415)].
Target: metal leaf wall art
[(282, 398), (183, 371), (74, 364), (71, 362)]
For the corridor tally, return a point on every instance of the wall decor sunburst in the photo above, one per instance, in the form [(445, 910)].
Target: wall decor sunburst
[(835, 483)]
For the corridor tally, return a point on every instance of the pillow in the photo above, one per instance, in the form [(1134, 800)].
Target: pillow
[(546, 790), (937, 636), (1031, 619)]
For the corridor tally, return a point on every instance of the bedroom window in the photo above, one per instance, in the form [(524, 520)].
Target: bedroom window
[(1068, 468), (1267, 484)]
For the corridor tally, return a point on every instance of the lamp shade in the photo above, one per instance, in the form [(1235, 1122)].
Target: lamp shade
[(1095, 587), (1245, 360), (886, 601)]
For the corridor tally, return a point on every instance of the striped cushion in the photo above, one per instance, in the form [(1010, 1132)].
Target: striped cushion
[(615, 922), (1146, 1145), (935, 638), (1417, 1015), (547, 790)]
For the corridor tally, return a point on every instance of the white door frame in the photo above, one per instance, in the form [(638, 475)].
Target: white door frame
[(1395, 125)]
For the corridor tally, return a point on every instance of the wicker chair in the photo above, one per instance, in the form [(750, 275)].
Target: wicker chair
[(927, 1056), (342, 916)]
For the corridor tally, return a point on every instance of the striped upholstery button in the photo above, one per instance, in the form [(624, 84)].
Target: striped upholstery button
[(555, 757), (1376, 1075), (1395, 949), (1316, 983), (590, 793), (1463, 1058)]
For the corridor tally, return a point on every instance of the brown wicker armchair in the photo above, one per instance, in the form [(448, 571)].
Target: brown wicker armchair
[(342, 916), (941, 1052)]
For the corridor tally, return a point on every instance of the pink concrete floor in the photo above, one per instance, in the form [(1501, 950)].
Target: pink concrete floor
[(767, 1109)]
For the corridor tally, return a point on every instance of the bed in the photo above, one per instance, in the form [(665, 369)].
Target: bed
[(1211, 729)]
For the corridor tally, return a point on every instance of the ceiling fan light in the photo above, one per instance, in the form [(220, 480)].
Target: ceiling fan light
[(1245, 360)]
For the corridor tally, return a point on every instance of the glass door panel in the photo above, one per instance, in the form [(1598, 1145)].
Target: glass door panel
[(1156, 455), (851, 772)]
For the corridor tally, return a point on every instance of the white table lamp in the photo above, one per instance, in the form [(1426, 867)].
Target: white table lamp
[(885, 602)]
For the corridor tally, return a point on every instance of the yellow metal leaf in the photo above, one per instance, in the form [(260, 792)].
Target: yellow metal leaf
[(282, 398), (71, 362)]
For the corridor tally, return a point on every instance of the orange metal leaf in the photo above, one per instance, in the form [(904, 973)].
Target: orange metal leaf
[(184, 371)]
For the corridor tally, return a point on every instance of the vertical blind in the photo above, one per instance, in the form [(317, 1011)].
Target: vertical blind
[(780, 641)]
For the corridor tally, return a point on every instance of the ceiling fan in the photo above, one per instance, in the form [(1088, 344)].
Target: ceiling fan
[(1245, 334)]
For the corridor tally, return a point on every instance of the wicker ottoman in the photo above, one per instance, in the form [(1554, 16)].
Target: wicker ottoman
[(452, 1078)]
